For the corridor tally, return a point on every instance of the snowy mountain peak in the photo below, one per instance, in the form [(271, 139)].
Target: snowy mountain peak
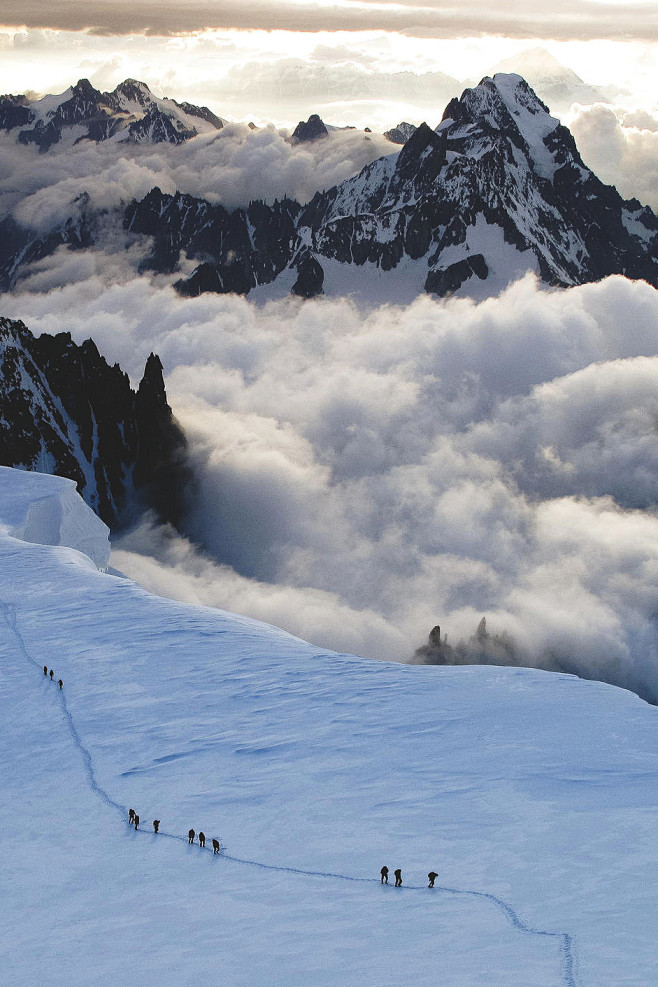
[(311, 130), (504, 115), (135, 91), (556, 84), (494, 98), (130, 112)]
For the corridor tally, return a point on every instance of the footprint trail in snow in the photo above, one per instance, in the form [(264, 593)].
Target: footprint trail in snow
[(565, 941)]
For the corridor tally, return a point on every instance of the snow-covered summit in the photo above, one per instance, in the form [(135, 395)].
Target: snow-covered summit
[(556, 84), (500, 189), (506, 104), (130, 112)]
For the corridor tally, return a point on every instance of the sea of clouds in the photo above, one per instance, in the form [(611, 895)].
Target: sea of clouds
[(364, 473)]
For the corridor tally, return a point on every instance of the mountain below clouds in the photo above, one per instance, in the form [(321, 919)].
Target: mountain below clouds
[(498, 190), (129, 113), (65, 410)]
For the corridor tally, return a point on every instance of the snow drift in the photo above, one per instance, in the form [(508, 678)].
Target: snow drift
[(313, 769)]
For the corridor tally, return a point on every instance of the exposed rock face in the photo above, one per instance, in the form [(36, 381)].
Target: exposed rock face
[(131, 112), (64, 410), (238, 250), (312, 130), (481, 648), (310, 276), (497, 190), (401, 133)]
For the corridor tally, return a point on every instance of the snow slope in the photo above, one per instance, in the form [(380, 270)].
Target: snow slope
[(533, 796)]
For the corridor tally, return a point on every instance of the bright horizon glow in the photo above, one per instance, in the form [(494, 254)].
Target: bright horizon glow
[(203, 67)]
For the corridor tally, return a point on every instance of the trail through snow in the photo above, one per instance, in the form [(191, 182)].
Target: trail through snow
[(565, 941)]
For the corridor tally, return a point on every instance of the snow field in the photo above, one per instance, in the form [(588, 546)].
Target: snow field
[(536, 788)]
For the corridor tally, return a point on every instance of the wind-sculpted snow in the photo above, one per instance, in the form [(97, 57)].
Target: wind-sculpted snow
[(313, 769), (47, 510), (565, 941)]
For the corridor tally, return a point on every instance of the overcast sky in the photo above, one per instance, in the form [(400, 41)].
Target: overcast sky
[(556, 19)]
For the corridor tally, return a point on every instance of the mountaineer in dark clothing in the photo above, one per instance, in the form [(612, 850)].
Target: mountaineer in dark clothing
[(156, 824), (398, 877), (136, 821), (190, 836), (202, 839), (60, 684), (432, 876), (384, 873), (52, 675), (45, 669), (131, 815), (215, 846)]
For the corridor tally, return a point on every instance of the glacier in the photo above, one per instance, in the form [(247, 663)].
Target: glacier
[(532, 794)]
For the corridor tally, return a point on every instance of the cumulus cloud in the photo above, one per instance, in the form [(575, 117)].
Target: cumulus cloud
[(621, 147), (365, 475)]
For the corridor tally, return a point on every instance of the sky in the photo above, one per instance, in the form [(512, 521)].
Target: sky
[(276, 61)]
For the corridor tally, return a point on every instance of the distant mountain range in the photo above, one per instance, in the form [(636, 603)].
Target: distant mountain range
[(497, 190), (130, 113)]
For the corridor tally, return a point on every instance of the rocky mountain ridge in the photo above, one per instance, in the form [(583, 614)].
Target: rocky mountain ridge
[(497, 190), (65, 410), (129, 113)]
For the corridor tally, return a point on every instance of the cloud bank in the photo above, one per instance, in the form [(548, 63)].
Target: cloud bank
[(233, 167), (363, 476), (621, 147), (560, 19)]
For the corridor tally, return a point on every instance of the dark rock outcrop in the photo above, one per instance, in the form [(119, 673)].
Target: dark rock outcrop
[(237, 250), (310, 276), (401, 133), (312, 130), (65, 410)]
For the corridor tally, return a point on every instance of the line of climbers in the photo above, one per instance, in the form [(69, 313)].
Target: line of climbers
[(133, 820), (398, 877), (52, 675)]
